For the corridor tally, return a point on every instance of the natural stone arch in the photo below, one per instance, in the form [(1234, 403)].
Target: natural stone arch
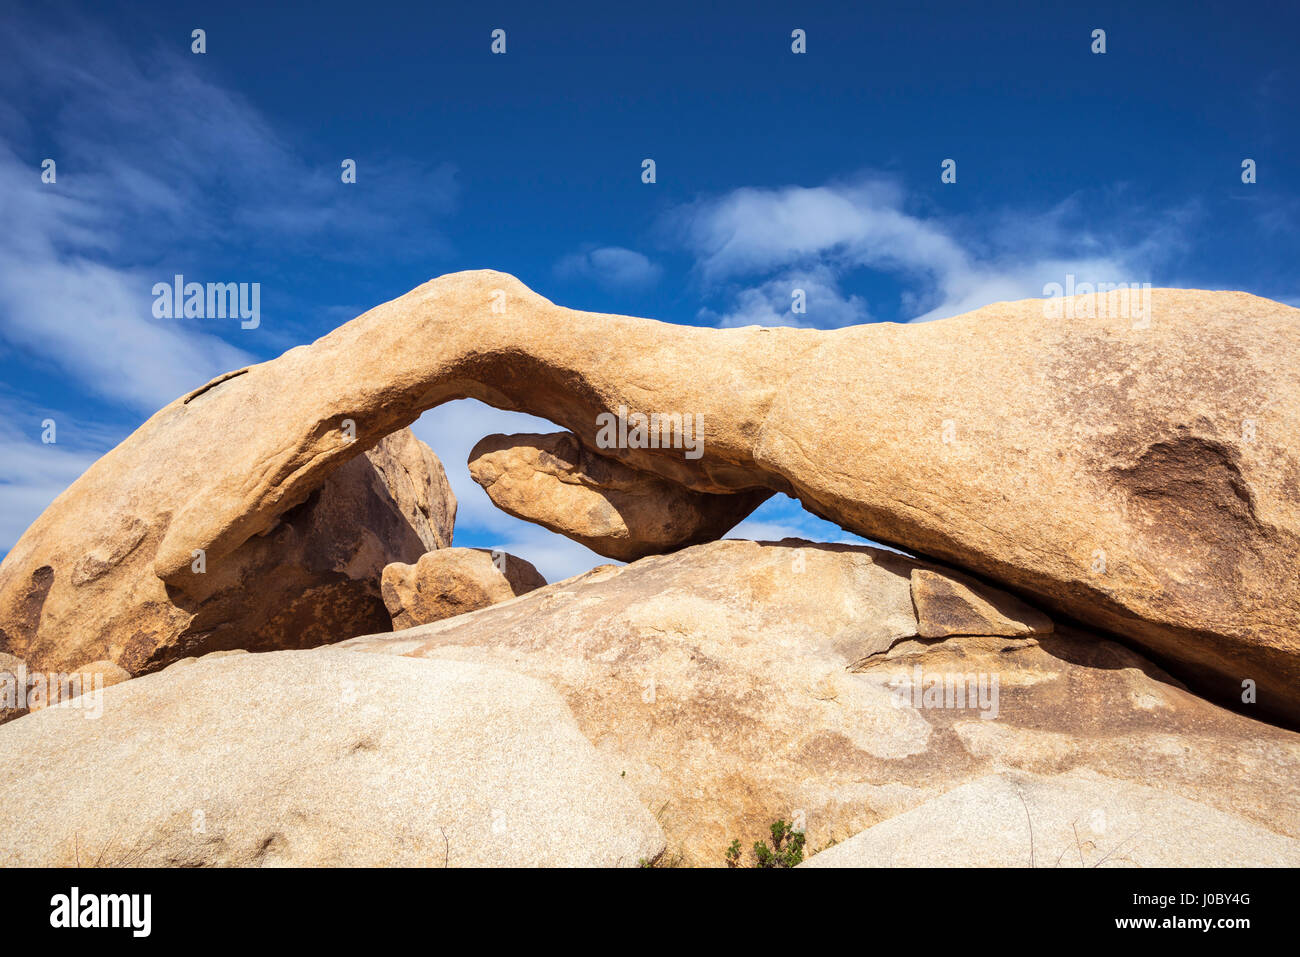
[(1002, 441)]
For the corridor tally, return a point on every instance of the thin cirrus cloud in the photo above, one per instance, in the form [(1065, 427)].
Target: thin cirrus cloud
[(145, 147), (33, 472), (754, 246)]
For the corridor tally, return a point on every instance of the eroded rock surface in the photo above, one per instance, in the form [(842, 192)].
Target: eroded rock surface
[(616, 511)]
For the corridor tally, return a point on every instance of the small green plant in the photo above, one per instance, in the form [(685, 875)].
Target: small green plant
[(733, 854), (786, 849)]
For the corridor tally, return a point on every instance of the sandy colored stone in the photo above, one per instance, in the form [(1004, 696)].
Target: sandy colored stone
[(13, 674), (1137, 473), (413, 477), (105, 671), (453, 581), (22, 690), (1079, 819), (946, 606), (92, 676), (317, 758), (738, 682), (312, 578), (616, 511)]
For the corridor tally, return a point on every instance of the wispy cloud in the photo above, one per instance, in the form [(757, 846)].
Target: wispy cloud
[(816, 290), (161, 170), (612, 267), (754, 246), (34, 473)]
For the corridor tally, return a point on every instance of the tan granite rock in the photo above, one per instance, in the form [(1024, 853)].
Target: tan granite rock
[(1077, 819), (317, 758), (737, 683), (946, 606), (616, 511), (311, 578), (453, 581), (1132, 469)]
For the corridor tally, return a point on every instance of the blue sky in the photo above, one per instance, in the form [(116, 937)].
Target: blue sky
[(774, 170)]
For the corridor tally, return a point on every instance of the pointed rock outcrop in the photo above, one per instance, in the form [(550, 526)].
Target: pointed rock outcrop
[(947, 606), (615, 510)]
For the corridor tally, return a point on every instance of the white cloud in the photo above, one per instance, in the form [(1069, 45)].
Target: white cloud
[(772, 303), (825, 235), (158, 170), (753, 230), (33, 474), (94, 321), (610, 266)]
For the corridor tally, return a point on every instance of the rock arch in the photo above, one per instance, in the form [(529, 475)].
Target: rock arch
[(989, 440)]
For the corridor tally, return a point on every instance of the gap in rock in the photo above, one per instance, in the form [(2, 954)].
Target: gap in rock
[(452, 430)]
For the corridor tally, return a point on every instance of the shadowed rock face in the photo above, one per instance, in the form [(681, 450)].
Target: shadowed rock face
[(1141, 477), (946, 606), (614, 510), (308, 580)]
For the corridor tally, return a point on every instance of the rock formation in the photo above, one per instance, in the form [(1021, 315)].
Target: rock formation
[(737, 683), (615, 510), (75, 590), (1136, 473), (317, 758), (13, 687), (453, 581)]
